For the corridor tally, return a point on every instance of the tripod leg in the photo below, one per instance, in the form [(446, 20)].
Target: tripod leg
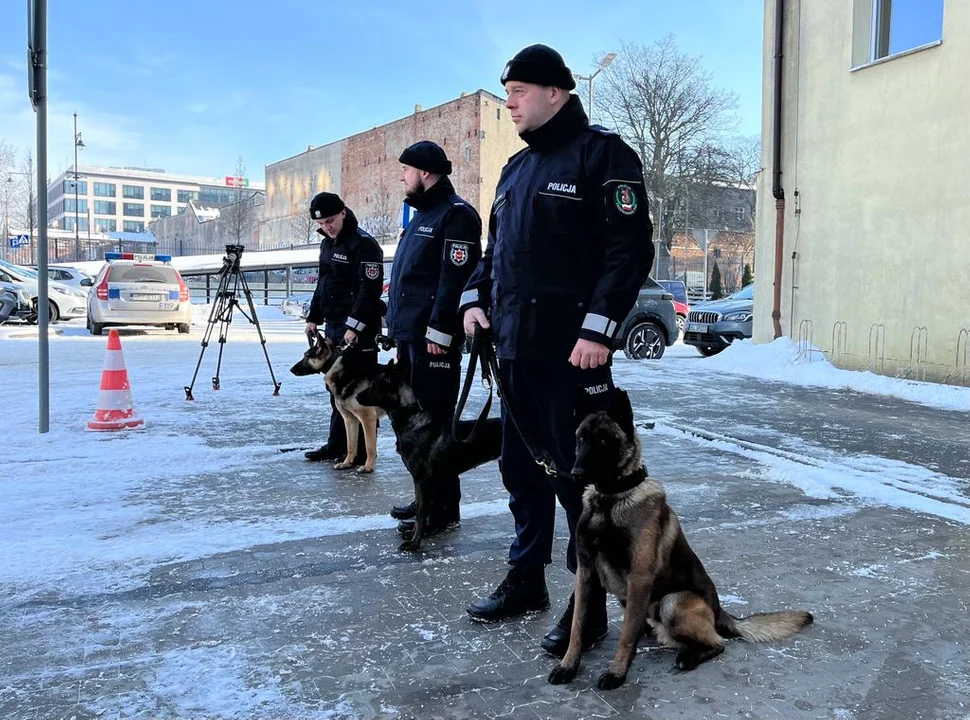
[(255, 320), (214, 314), (226, 321)]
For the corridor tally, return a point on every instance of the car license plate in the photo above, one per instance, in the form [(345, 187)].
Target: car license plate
[(697, 327), (146, 297), (167, 305)]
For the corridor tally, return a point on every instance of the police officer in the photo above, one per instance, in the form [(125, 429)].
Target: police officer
[(569, 247), (435, 257), (347, 298)]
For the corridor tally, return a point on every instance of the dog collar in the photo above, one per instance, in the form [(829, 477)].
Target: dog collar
[(625, 483)]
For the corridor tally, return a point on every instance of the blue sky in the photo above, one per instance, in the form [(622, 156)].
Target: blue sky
[(190, 88)]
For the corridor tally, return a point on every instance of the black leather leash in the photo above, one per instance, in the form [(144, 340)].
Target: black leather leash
[(484, 351)]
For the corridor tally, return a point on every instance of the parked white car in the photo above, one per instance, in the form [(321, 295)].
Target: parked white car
[(64, 302), (72, 277), (297, 305), (134, 289)]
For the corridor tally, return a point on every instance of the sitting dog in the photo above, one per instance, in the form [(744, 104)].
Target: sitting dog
[(426, 444), (629, 541), (345, 379)]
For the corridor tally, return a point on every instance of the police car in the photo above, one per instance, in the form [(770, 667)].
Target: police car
[(136, 289)]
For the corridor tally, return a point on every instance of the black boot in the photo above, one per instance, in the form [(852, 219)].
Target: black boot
[(325, 453), (403, 512), (595, 628), (523, 590)]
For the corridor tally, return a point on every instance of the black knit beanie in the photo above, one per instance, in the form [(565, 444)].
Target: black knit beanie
[(427, 156), (539, 65), (325, 205)]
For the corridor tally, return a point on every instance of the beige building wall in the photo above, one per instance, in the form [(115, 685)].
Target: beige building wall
[(874, 165), (474, 129)]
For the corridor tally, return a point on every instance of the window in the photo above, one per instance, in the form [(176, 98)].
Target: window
[(901, 25), (105, 225), (884, 28), (159, 211), (82, 223), (105, 207), (134, 226), (104, 190), (185, 195), (134, 192), (82, 187), (82, 205), (134, 210), (162, 194)]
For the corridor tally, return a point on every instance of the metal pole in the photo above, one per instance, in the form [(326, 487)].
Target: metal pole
[(705, 266), (38, 70), (77, 239)]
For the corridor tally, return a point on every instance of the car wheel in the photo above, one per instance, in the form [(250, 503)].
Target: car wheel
[(681, 323), (183, 328), (53, 314), (708, 351), (645, 341), (94, 328)]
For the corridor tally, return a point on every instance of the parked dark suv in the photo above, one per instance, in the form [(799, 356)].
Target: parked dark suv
[(681, 303), (651, 326), (714, 325)]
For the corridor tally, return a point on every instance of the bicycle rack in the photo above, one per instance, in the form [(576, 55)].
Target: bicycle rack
[(918, 343), (876, 359), (840, 342), (806, 336), (961, 366)]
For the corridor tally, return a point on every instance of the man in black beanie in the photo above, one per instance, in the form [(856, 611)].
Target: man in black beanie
[(569, 246), (434, 259), (347, 299)]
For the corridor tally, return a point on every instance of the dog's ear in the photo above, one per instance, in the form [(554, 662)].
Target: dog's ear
[(621, 410), (584, 405), (320, 339)]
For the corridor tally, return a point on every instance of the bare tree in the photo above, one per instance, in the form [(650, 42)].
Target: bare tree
[(240, 216), (8, 189), (382, 221), (663, 103), (304, 227)]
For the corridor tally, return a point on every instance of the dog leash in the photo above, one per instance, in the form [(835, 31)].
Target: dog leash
[(483, 349)]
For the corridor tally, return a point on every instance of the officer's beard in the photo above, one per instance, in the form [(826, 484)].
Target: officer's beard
[(414, 193)]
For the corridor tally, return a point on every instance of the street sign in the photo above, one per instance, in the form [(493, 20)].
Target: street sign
[(18, 241)]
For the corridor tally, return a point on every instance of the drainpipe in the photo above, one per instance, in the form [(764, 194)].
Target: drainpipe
[(776, 189)]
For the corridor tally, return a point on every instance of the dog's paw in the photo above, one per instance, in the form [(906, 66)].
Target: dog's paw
[(562, 674), (364, 469), (610, 681), (410, 546), (343, 465)]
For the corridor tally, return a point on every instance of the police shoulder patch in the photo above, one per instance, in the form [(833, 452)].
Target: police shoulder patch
[(372, 270), (625, 199), (458, 253)]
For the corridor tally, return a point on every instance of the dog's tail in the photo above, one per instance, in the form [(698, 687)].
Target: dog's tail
[(764, 627)]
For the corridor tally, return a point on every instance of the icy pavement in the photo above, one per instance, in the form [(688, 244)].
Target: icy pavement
[(194, 570)]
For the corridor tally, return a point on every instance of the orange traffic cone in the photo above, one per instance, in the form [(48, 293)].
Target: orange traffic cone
[(115, 410)]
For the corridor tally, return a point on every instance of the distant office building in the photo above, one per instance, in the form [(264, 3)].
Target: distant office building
[(111, 199)]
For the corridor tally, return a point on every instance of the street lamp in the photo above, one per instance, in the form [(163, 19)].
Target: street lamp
[(603, 64), (30, 207), (78, 145)]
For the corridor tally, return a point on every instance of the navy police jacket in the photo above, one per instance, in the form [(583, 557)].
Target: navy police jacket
[(350, 280), (569, 241), (436, 255)]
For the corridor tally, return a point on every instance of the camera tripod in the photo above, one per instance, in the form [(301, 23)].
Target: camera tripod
[(230, 281)]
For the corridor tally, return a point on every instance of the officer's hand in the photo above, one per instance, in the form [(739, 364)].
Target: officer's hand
[(350, 337), (311, 329), (435, 349), (588, 354), (475, 316)]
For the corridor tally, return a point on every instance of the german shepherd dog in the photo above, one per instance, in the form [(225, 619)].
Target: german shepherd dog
[(426, 444), (345, 379), (629, 540)]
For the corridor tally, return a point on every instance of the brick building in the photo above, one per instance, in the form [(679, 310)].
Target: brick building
[(475, 131)]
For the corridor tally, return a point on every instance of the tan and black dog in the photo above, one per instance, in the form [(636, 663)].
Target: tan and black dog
[(629, 541), (345, 379)]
